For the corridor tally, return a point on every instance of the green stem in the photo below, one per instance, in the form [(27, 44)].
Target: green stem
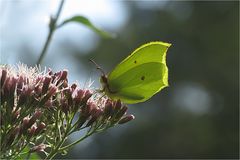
[(76, 142), (52, 27), (56, 149), (28, 155)]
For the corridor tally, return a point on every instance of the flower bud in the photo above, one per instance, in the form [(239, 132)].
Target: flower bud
[(38, 90), (108, 109), (46, 83), (15, 115), (39, 148), (25, 94), (49, 103), (97, 113), (7, 84), (86, 96), (88, 109), (31, 131), (25, 124), (39, 79), (40, 128), (65, 84), (64, 105), (50, 72), (61, 76), (117, 106), (3, 77), (13, 85), (126, 119), (20, 84), (77, 96), (36, 116), (122, 111), (52, 90), (74, 86), (64, 74)]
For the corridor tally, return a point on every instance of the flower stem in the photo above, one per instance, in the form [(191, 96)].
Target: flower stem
[(52, 27), (28, 155), (76, 142)]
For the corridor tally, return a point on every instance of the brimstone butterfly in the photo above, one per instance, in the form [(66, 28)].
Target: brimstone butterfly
[(138, 77)]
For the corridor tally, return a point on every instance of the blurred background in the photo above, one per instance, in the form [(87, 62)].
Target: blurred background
[(196, 117)]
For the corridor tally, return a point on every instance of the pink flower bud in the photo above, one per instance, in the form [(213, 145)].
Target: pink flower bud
[(77, 96), (40, 128), (38, 90), (36, 116), (88, 108), (15, 115), (46, 83), (126, 119), (20, 84), (122, 111), (49, 103), (86, 96), (52, 90), (65, 84), (64, 75), (3, 76), (39, 80), (13, 85), (97, 113), (39, 148), (37, 113), (7, 85), (50, 72), (31, 131), (108, 109), (74, 86), (25, 123), (17, 130), (117, 106), (25, 94), (64, 105)]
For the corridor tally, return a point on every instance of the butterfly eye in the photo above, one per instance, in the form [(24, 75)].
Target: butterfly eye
[(142, 78)]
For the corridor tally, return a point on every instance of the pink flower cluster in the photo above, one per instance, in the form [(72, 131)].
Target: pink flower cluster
[(38, 106)]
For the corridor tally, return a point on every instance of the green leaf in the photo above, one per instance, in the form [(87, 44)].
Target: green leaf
[(84, 21)]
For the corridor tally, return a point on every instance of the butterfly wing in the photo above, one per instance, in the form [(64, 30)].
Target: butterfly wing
[(139, 83), (140, 75)]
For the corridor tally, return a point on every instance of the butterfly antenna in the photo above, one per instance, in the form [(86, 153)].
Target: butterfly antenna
[(97, 66)]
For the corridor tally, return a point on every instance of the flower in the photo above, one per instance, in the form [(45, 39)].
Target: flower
[(42, 106)]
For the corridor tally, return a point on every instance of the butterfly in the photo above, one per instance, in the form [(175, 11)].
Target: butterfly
[(139, 76)]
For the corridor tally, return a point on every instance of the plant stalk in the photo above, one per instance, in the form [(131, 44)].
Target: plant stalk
[(52, 27)]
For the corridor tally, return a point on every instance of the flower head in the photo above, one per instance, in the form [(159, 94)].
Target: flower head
[(42, 105)]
